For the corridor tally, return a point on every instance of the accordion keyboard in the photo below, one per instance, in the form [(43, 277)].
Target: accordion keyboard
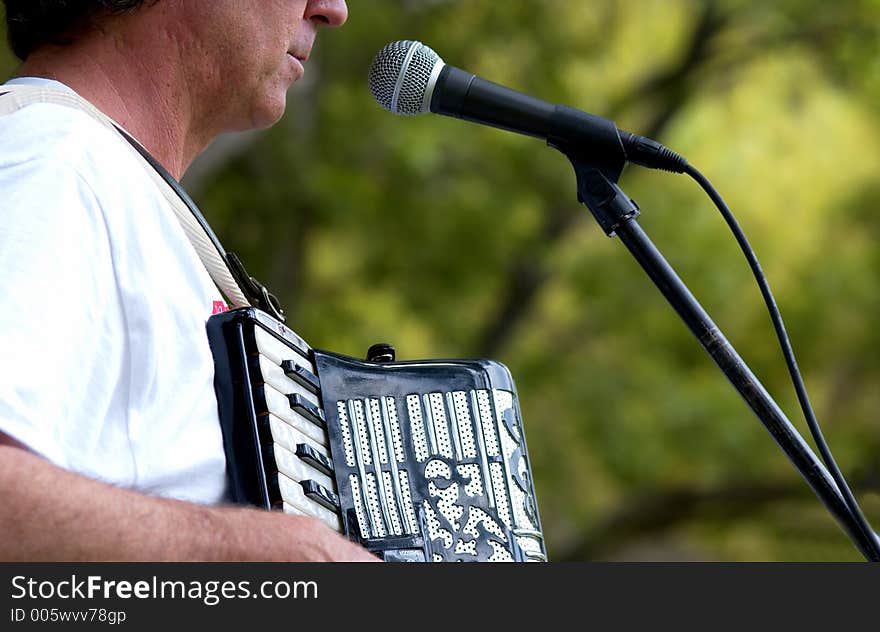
[(297, 432)]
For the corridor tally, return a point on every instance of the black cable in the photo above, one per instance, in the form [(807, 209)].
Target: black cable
[(867, 532)]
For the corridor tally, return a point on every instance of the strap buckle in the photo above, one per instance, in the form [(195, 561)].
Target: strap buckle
[(253, 290)]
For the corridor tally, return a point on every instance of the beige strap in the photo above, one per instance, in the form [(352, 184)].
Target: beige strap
[(16, 97)]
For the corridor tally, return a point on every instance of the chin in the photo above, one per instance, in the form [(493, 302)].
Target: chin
[(266, 111), (267, 117), (265, 122)]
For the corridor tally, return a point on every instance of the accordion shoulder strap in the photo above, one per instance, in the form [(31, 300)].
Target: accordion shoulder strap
[(225, 269)]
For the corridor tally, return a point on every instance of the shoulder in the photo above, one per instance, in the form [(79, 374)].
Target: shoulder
[(64, 173), (45, 138)]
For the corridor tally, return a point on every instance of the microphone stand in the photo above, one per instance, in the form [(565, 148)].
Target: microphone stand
[(617, 215)]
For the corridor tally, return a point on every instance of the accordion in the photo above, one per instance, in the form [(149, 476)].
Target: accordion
[(420, 461)]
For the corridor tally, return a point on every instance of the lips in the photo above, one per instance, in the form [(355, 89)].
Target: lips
[(299, 51), (297, 63), (300, 58)]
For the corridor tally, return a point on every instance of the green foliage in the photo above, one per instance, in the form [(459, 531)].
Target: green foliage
[(372, 227)]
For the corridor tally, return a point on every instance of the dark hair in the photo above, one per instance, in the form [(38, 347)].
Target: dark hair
[(33, 23)]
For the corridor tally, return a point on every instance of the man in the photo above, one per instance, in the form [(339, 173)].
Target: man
[(110, 447)]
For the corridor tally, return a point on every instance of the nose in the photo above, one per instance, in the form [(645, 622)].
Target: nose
[(327, 12)]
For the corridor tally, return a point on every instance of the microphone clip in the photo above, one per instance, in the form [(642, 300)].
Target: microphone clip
[(597, 189)]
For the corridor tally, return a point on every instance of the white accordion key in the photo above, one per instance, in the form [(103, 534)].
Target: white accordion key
[(289, 437), (302, 375), (272, 348)]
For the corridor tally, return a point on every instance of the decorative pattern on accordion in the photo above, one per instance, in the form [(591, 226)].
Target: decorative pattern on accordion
[(469, 464)]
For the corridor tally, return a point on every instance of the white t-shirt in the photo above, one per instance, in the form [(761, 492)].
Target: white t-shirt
[(106, 368)]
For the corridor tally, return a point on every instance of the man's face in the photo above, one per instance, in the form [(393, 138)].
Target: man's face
[(247, 53)]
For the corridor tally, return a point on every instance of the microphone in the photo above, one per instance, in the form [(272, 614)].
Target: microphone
[(409, 78)]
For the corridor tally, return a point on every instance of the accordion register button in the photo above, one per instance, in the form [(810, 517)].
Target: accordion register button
[(320, 462), (303, 376), (320, 495), (273, 375), (308, 410), (295, 501), (294, 468)]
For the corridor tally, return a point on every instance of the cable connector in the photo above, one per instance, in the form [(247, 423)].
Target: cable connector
[(646, 152)]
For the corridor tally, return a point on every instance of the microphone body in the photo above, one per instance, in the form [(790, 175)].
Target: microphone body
[(463, 95), (409, 78)]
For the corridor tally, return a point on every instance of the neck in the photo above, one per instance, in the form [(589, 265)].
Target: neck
[(145, 94)]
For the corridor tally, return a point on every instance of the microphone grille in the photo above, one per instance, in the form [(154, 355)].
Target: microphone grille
[(403, 75)]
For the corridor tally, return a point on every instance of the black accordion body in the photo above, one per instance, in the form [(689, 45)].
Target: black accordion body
[(417, 461)]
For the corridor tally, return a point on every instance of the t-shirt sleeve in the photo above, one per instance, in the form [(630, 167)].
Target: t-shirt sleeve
[(57, 291)]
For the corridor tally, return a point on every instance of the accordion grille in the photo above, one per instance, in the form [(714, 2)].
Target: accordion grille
[(465, 426), (487, 423), (361, 516), (391, 411), (408, 507), (394, 509), (417, 428), (374, 419), (436, 416), (451, 463), (374, 507), (347, 444)]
